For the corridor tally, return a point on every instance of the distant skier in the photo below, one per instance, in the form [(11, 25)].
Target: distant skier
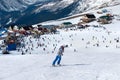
[(59, 55)]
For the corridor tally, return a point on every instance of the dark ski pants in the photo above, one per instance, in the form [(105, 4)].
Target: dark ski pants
[(57, 59)]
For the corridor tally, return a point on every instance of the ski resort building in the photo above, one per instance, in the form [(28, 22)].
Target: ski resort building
[(88, 18)]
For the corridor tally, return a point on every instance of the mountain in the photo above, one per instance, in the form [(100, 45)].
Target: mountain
[(17, 5), (13, 9), (28, 12)]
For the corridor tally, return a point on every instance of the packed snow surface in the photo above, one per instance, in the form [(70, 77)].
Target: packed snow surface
[(81, 60)]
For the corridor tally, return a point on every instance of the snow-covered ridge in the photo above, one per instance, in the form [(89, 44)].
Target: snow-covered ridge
[(102, 3), (16, 5), (81, 5), (53, 6)]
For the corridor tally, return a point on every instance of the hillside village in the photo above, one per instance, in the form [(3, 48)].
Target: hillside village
[(12, 38)]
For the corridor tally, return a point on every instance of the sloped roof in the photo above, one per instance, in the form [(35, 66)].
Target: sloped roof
[(105, 17), (90, 15), (27, 27), (67, 23)]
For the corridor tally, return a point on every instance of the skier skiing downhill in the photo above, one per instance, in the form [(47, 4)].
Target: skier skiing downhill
[(59, 55)]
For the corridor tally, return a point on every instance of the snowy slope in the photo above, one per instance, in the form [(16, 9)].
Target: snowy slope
[(90, 63), (82, 60)]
